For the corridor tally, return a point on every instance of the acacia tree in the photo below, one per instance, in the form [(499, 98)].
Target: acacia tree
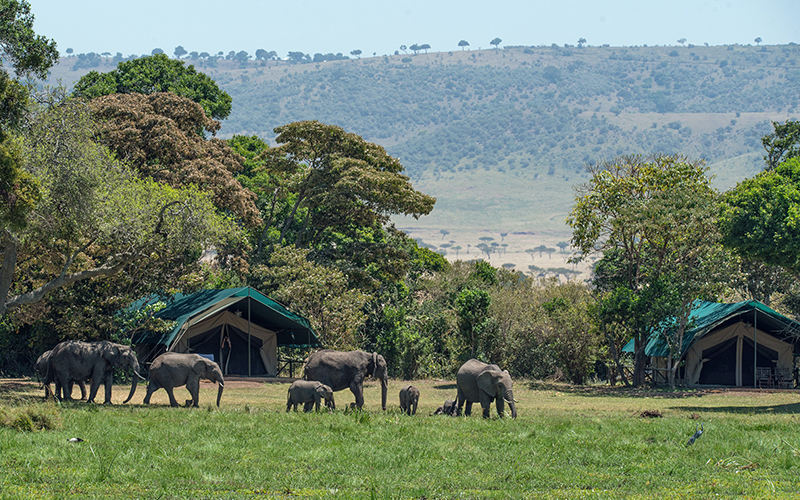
[(496, 42), (157, 73), (653, 221), (463, 44)]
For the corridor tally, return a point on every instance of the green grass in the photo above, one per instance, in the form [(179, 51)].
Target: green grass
[(566, 443)]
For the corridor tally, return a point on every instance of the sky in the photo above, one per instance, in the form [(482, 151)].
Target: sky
[(380, 27)]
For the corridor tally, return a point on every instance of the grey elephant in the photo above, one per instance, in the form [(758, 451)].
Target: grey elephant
[(47, 377), (409, 398), (173, 369), (448, 408), (310, 393), (73, 360), (482, 383), (347, 370)]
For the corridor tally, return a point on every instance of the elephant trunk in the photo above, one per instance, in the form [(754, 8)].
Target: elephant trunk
[(384, 389), (219, 393), (133, 386), (512, 403)]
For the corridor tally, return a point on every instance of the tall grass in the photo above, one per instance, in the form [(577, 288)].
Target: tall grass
[(566, 443)]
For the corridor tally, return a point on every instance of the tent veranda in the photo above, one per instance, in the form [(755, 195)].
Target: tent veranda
[(239, 328), (727, 342)]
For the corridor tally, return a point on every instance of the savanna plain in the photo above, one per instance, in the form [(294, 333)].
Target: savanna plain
[(567, 442)]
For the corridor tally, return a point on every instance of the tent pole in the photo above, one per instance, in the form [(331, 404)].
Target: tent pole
[(249, 355), (755, 345)]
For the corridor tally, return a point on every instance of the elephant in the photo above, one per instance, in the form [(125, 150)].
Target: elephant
[(481, 382), (409, 398), (448, 408), (342, 370), (74, 360), (42, 367), (173, 369), (310, 393)]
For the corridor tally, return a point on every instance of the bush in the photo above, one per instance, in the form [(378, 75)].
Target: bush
[(30, 418)]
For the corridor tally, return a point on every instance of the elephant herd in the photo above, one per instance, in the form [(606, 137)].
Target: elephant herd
[(326, 372)]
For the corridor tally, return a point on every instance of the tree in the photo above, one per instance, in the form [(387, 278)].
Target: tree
[(653, 220), (424, 47), (782, 144), (160, 136), (297, 56), (758, 40), (416, 48), (404, 49), (158, 73), (496, 42), (93, 217), (179, 52), (682, 41), (356, 53), (354, 179), (472, 306), (463, 44), (156, 51), (760, 216), (581, 42), (69, 51), (263, 55)]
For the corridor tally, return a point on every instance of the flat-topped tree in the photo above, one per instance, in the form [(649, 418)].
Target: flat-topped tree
[(157, 73)]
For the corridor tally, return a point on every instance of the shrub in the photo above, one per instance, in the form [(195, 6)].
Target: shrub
[(30, 418)]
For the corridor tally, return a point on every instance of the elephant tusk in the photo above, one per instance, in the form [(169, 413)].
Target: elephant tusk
[(137, 374)]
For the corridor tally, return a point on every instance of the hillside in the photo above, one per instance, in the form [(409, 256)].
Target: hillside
[(500, 137)]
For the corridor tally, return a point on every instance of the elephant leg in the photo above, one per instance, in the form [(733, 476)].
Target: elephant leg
[(96, 380), (193, 386), (151, 388), (357, 389), (468, 409), (500, 406), (316, 402), (82, 385), (460, 399), (108, 381)]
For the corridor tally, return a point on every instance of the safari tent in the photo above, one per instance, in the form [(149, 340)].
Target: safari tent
[(239, 328), (742, 344)]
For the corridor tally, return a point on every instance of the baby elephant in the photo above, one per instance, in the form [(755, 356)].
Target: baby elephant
[(309, 392), (448, 408), (409, 397)]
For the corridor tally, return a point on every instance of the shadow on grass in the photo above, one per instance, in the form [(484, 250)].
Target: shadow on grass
[(446, 387), (752, 410), (621, 391)]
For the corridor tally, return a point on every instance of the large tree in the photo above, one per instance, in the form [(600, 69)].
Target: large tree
[(162, 136), (342, 191), (93, 216), (783, 143), (654, 222), (157, 73)]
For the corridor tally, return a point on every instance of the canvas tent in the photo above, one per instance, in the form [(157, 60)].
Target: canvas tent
[(239, 328), (726, 343)]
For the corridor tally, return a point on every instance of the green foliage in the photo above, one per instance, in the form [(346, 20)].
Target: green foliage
[(472, 307), (761, 216), (157, 73), (28, 52), (783, 144)]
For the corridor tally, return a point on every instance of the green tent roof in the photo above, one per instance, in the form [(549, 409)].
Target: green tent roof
[(707, 316), (292, 329)]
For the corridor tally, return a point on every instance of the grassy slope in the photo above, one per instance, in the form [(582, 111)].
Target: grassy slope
[(566, 443), (428, 112)]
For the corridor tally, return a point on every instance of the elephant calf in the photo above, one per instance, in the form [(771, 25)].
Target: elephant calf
[(448, 408), (309, 392), (172, 369), (409, 397)]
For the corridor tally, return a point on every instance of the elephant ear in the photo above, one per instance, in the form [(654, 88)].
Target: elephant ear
[(199, 366), (486, 382), (111, 353)]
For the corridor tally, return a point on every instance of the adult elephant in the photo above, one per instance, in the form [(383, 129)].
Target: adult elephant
[(75, 360), (47, 377), (173, 369), (482, 383), (342, 370)]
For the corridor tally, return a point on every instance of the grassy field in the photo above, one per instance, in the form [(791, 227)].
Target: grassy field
[(567, 443)]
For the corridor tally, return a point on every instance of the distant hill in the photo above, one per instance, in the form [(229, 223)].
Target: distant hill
[(500, 137)]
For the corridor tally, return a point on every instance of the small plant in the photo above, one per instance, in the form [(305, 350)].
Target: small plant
[(30, 418)]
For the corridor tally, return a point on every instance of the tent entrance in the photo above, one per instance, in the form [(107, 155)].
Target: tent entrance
[(720, 367), (229, 347), (767, 358)]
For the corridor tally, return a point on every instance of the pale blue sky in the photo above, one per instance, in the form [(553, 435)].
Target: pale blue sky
[(310, 26)]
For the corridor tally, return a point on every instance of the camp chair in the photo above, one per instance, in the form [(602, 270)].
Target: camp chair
[(783, 378), (764, 376)]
